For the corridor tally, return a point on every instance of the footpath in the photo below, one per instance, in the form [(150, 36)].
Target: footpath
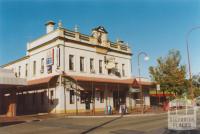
[(6, 121)]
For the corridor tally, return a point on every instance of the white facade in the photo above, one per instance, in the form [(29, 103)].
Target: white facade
[(54, 40), (49, 55)]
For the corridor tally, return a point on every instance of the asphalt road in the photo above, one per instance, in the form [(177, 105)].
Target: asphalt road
[(154, 124)]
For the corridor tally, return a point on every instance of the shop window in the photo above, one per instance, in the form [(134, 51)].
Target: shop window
[(71, 62), (85, 97), (71, 96), (42, 98), (136, 95), (82, 97), (51, 97), (101, 96), (33, 99)]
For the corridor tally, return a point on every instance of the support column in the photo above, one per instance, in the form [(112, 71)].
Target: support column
[(60, 96), (12, 105), (1, 100), (106, 95)]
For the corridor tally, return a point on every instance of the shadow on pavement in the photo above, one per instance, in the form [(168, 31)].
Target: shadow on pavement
[(124, 131), (3, 124), (181, 131), (91, 129)]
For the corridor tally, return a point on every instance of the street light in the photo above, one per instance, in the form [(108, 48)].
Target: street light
[(140, 86), (188, 56)]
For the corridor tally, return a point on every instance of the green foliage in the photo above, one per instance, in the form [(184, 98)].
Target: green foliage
[(170, 74), (196, 85)]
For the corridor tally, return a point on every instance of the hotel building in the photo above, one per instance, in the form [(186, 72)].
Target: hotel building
[(70, 72)]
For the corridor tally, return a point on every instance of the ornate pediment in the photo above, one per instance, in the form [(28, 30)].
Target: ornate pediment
[(100, 29)]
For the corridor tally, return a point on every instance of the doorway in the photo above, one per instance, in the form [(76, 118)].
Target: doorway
[(86, 98), (119, 98)]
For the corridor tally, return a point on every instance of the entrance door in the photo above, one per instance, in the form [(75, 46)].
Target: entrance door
[(5, 100), (87, 104), (86, 98), (118, 99), (115, 100)]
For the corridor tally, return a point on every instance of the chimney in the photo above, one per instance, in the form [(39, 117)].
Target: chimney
[(49, 26)]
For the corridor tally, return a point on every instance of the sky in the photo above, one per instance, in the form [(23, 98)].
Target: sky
[(152, 26)]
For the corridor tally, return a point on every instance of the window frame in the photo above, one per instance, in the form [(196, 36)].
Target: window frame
[(34, 68), (82, 64), (123, 70), (42, 66), (26, 70), (19, 71), (92, 65), (71, 97), (71, 62), (100, 66)]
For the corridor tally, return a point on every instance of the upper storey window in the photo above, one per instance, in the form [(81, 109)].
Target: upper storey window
[(34, 67), (123, 70), (100, 66), (82, 64), (42, 66), (71, 62), (26, 70), (19, 71), (116, 66), (92, 66)]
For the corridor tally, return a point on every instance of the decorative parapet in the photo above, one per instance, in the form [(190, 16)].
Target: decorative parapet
[(76, 36), (91, 40)]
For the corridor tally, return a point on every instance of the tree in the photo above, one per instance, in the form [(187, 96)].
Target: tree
[(196, 84), (170, 74)]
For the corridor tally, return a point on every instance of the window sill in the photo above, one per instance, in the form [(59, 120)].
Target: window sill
[(72, 70)]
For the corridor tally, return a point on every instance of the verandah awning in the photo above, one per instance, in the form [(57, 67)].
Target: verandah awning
[(81, 78), (131, 81), (9, 80)]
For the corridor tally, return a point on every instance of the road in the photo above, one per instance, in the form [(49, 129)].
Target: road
[(151, 124)]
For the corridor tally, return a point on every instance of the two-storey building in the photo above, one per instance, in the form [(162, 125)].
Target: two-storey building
[(70, 72)]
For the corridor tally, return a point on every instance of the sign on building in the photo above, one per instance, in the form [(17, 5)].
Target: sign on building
[(50, 57), (110, 62), (158, 87), (50, 60)]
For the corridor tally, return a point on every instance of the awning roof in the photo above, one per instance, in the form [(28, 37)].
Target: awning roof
[(9, 80), (106, 80), (12, 81), (80, 78), (132, 82), (136, 83), (41, 80)]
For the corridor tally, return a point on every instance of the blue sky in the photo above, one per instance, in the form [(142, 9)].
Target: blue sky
[(153, 26)]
